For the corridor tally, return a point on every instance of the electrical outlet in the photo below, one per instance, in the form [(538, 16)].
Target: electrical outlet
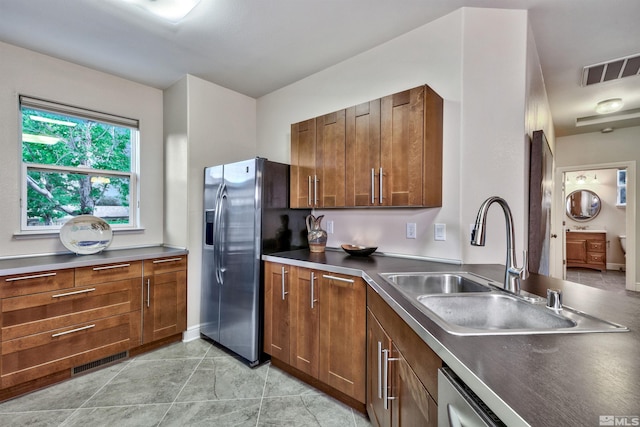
[(440, 232), (411, 230), (329, 227)]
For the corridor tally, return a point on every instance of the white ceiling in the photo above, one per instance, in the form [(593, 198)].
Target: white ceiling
[(257, 46)]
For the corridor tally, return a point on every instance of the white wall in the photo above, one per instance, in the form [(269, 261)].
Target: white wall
[(211, 126), (476, 60), (24, 72)]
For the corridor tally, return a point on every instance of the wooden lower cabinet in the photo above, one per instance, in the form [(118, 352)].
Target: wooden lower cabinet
[(165, 305), (396, 394), (586, 250), (54, 321), (276, 310), (325, 328)]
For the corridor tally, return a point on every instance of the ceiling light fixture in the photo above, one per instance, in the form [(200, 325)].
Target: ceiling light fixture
[(171, 10), (581, 179), (609, 106)]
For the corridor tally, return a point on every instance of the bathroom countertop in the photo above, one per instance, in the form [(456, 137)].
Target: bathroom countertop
[(527, 380)]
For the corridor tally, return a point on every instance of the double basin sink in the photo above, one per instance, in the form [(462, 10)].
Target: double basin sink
[(467, 304)]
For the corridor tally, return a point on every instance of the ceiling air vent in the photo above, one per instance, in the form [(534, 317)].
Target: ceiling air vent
[(612, 70)]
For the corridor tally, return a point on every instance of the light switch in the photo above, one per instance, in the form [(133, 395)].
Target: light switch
[(329, 227), (440, 232)]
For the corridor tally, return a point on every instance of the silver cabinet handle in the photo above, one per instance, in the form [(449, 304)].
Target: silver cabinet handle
[(381, 175), (35, 276), (284, 272), (315, 190), (160, 261), (379, 370), (110, 267), (84, 291), (148, 292), (373, 186), (339, 279), (385, 378), (73, 330), (309, 191), (313, 280)]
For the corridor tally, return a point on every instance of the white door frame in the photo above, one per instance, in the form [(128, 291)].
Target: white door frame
[(559, 215)]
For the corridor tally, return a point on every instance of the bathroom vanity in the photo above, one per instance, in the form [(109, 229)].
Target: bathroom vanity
[(587, 249)]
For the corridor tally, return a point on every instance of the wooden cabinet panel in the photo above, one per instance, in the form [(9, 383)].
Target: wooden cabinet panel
[(32, 314), (401, 130), (276, 310), (37, 355), (303, 164), (586, 249), (108, 273), (377, 340), (411, 404), (363, 154), (42, 281), (330, 160), (395, 394), (165, 306), (576, 251), (343, 333), (305, 317)]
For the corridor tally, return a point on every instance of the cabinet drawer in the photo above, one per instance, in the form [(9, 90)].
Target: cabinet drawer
[(164, 265), (108, 273), (595, 258), (38, 355), (32, 314), (31, 283), (595, 246)]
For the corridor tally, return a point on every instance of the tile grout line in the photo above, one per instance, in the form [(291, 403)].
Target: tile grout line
[(264, 390), (184, 385), (128, 362)]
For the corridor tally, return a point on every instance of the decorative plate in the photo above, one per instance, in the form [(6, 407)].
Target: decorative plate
[(86, 234), (357, 250)]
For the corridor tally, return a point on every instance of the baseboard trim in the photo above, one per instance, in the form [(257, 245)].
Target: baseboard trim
[(191, 334)]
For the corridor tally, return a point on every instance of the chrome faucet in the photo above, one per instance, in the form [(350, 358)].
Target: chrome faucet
[(512, 274)]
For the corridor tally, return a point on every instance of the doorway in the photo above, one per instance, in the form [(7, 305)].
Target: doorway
[(561, 223)]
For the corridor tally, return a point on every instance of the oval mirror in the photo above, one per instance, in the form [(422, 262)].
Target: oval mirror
[(583, 205)]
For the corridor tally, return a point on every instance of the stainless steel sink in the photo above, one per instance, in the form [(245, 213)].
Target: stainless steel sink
[(417, 284), (466, 304)]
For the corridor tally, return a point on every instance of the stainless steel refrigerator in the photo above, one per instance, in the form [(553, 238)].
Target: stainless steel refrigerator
[(245, 215)]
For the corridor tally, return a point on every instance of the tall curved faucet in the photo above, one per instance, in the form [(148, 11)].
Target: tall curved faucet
[(512, 273)]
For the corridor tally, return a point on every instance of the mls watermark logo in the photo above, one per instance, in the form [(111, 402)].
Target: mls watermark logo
[(618, 420)]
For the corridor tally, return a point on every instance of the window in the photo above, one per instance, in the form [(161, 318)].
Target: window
[(621, 199), (76, 162)]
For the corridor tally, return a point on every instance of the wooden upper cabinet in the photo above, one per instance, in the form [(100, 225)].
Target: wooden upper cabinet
[(303, 163), (411, 148), (330, 160), (386, 152), (363, 154)]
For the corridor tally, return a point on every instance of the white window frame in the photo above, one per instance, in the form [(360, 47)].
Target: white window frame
[(132, 175)]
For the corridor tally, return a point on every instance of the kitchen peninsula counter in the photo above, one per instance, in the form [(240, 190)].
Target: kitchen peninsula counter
[(538, 380)]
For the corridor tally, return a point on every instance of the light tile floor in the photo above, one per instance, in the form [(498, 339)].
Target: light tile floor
[(183, 384)]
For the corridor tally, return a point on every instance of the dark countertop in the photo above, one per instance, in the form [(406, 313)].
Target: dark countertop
[(538, 380), (25, 265)]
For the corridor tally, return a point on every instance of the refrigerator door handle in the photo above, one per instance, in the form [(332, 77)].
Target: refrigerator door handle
[(222, 194)]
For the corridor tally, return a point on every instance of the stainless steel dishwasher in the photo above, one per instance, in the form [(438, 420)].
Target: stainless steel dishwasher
[(459, 406)]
